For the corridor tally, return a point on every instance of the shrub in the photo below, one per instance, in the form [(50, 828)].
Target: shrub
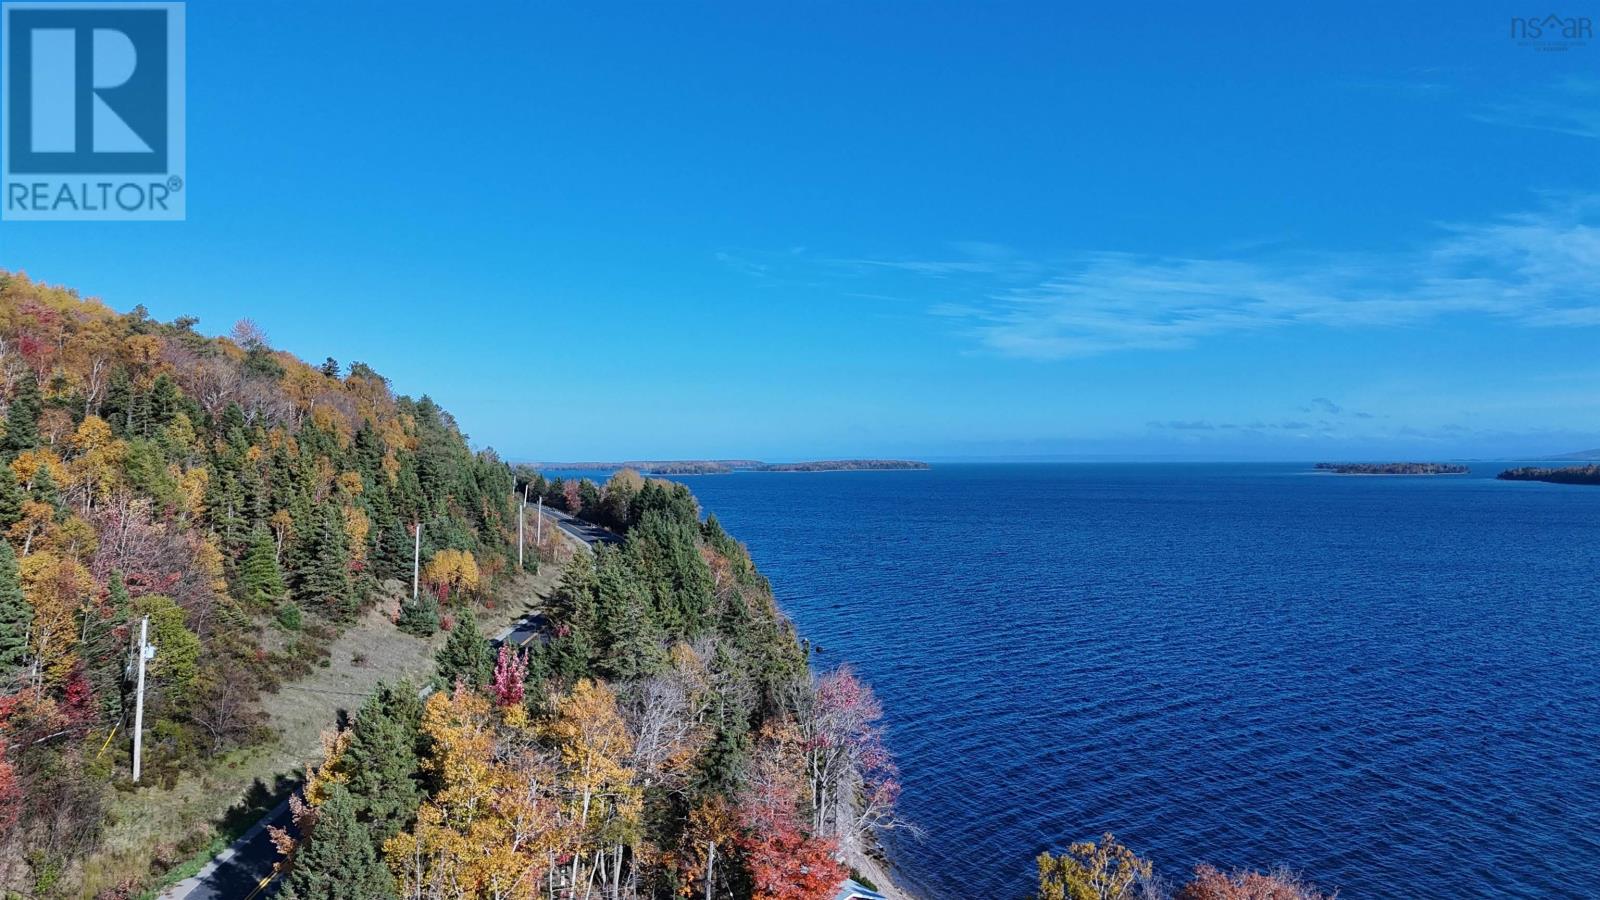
[(289, 616), (420, 618)]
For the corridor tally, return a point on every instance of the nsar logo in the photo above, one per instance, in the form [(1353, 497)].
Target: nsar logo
[(93, 115), (1552, 32)]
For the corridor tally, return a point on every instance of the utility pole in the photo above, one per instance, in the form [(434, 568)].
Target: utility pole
[(146, 652), (522, 511), (538, 523), (416, 561), (711, 860)]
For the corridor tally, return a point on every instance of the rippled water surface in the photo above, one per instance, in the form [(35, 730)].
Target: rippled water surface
[(1392, 684)]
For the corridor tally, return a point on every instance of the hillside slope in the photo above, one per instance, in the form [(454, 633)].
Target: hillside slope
[(246, 502)]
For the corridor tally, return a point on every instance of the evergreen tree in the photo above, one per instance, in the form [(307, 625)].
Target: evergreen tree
[(339, 860), (104, 648), (117, 407), (11, 497), (117, 596), (44, 488), (634, 647), (665, 552), (22, 419), (631, 639), (15, 616), (465, 655), (259, 576), (322, 565), (723, 765), (381, 760), (419, 617), (567, 657), (163, 403), (589, 498), (391, 542), (574, 606)]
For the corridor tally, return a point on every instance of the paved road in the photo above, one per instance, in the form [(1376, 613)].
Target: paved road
[(587, 532), (244, 870), (522, 631)]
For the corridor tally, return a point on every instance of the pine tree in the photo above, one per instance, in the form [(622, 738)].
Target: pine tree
[(381, 759), (11, 497), (44, 488), (322, 565), (665, 553), (338, 861), (419, 617), (259, 574), (117, 596), (164, 402), (118, 403), (22, 419), (465, 655), (722, 766), (632, 639), (391, 540), (567, 657), (15, 616)]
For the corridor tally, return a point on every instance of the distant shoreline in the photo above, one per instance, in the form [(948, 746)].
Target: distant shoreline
[(729, 466)]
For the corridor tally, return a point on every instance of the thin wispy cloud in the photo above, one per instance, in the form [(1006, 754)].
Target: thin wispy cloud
[(1571, 106), (1539, 269)]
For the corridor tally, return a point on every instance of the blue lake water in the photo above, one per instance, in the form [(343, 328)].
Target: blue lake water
[(1391, 684)]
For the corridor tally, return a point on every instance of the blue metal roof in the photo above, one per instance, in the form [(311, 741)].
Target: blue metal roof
[(854, 890)]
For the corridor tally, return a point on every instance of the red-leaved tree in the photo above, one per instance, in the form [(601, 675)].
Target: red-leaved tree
[(510, 676), (852, 781), (785, 863), (1210, 884)]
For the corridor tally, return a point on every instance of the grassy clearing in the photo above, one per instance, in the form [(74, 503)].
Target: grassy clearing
[(161, 834)]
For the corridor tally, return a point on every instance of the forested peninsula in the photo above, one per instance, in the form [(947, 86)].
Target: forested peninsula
[(1563, 475), (664, 737)]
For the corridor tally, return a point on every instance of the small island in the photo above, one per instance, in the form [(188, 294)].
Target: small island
[(844, 465), (1393, 468), (1589, 474)]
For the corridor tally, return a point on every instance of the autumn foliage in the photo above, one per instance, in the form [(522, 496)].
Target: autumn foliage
[(248, 503), (1211, 884), (1108, 870)]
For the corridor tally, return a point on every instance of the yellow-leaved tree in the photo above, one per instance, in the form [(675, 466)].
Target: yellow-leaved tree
[(602, 797), (452, 572), (56, 588), (1091, 871), (491, 830), (97, 467)]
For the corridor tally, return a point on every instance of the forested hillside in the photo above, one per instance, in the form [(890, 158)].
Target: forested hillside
[(667, 739), (248, 503)]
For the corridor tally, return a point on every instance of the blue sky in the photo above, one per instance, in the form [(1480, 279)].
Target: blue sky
[(935, 230)]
